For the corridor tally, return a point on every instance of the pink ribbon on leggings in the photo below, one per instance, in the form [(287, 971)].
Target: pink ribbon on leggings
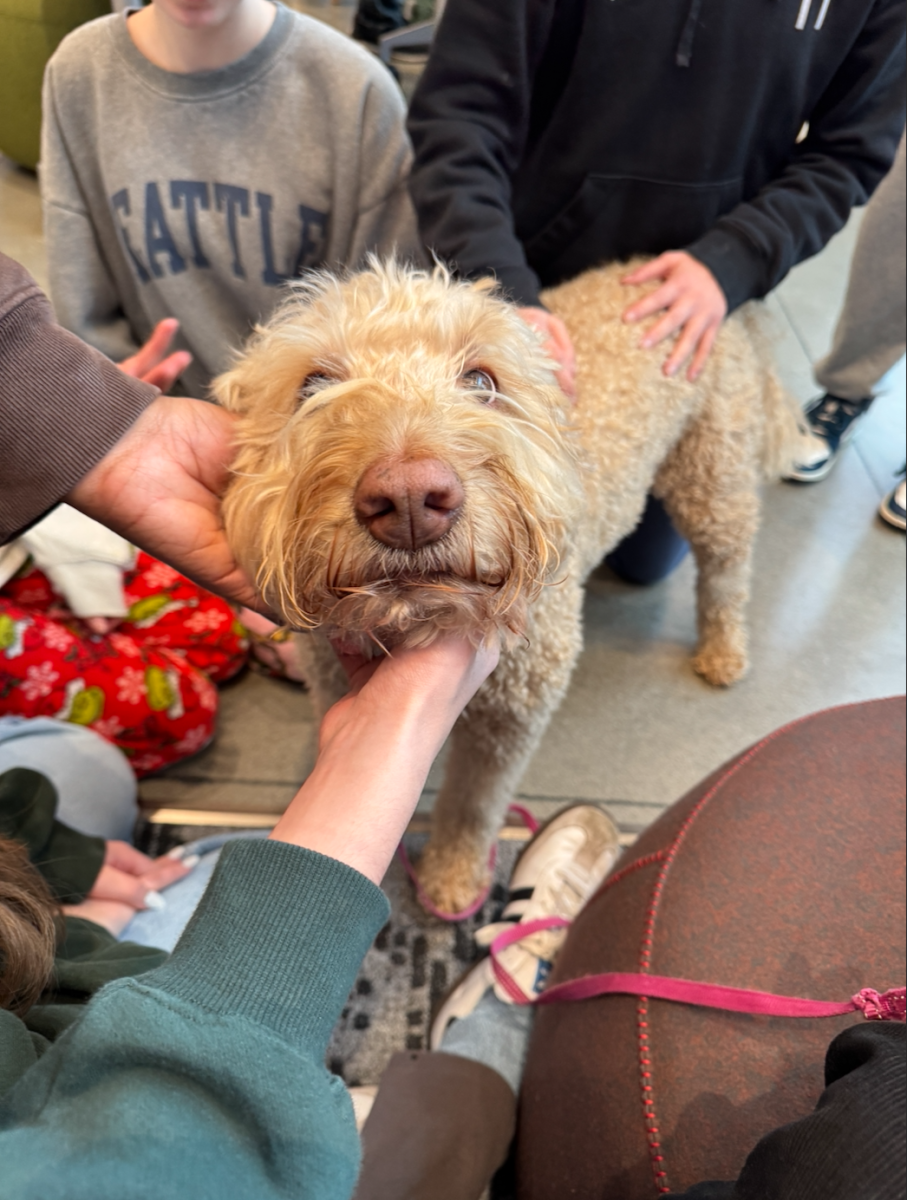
[(875, 1006)]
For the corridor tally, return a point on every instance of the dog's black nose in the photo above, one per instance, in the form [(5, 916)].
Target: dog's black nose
[(407, 504)]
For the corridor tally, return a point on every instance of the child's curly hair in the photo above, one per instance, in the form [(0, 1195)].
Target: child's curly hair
[(27, 929)]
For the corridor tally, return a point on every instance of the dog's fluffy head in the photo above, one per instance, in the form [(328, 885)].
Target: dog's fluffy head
[(383, 367)]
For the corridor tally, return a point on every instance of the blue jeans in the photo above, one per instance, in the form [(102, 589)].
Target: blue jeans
[(162, 927), (652, 551), (94, 782)]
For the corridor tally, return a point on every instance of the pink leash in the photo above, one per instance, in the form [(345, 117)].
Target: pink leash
[(531, 824), (875, 1006)]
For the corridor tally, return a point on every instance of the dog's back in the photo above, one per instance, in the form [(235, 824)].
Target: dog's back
[(631, 417)]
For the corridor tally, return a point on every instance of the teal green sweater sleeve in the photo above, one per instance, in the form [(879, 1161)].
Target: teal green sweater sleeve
[(205, 1077), (87, 957)]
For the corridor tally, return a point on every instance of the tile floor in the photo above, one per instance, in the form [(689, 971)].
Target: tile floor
[(638, 727)]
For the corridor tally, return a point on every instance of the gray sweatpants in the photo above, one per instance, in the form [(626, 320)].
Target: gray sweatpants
[(872, 328)]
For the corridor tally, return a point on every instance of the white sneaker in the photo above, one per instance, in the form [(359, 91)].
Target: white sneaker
[(363, 1099), (555, 876), (830, 423)]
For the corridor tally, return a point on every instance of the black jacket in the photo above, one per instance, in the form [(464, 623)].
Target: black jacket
[(553, 135)]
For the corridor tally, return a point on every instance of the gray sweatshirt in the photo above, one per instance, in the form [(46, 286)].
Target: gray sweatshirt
[(196, 196)]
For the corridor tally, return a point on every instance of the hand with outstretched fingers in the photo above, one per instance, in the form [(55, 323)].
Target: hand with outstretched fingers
[(692, 302), (130, 877), (152, 363)]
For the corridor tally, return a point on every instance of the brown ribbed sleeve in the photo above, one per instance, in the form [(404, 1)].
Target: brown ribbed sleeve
[(63, 405)]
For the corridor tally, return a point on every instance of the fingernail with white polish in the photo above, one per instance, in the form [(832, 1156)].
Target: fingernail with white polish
[(176, 852), (192, 860), (155, 901)]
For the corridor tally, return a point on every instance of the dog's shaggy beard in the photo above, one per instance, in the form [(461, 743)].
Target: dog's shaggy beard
[(319, 569)]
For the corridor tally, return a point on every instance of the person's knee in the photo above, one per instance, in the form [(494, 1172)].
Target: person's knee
[(95, 785)]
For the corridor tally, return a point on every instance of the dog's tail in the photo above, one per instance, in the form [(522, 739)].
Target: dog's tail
[(783, 414)]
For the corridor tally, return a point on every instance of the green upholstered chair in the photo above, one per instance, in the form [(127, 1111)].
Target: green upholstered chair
[(30, 31)]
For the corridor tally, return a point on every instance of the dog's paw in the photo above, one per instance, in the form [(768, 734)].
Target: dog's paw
[(721, 665), (452, 882)]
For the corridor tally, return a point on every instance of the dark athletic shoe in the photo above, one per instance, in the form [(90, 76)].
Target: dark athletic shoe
[(892, 507), (831, 423)]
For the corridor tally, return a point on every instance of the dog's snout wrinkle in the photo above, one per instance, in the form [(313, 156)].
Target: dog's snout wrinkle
[(406, 505)]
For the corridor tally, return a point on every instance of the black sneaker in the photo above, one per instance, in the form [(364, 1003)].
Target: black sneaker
[(374, 17), (831, 422), (892, 507)]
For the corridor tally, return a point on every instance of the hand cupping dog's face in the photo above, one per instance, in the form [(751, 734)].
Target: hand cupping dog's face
[(401, 465)]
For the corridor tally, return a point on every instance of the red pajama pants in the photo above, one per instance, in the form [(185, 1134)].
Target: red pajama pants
[(148, 686)]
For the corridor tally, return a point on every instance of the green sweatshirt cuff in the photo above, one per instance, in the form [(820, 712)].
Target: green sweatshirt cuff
[(278, 939)]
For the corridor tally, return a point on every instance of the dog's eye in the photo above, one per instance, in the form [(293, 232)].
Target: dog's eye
[(314, 383), (479, 380)]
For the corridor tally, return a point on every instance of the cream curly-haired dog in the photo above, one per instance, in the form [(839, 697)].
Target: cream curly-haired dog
[(407, 464)]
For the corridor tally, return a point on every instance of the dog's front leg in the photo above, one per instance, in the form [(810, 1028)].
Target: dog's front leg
[(489, 752), (490, 749)]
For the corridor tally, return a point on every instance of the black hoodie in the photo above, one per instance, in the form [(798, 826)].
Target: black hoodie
[(554, 135)]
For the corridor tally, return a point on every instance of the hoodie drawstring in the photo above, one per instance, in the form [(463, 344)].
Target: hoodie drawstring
[(685, 45)]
